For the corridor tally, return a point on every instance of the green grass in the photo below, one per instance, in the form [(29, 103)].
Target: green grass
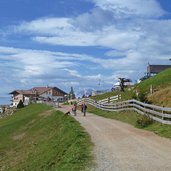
[(105, 95), (160, 129), (66, 103), (131, 117), (126, 95), (125, 116), (161, 97), (39, 138), (159, 81)]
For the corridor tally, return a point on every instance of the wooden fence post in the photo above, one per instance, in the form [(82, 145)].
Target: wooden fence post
[(162, 113), (151, 89), (108, 99)]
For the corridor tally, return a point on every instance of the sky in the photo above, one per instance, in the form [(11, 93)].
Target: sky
[(80, 43)]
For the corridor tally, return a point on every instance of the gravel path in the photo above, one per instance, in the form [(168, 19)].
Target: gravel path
[(121, 147)]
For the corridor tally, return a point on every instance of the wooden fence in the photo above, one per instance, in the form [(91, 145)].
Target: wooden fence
[(110, 99), (157, 113)]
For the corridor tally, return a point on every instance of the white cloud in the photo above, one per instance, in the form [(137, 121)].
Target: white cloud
[(69, 39), (49, 26), (126, 8), (109, 37), (27, 68), (124, 28)]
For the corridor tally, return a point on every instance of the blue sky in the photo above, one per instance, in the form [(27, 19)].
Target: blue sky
[(76, 43)]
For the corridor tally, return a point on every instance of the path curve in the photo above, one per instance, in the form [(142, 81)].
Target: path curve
[(121, 147)]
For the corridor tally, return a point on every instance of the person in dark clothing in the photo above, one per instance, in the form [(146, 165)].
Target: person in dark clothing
[(84, 109)]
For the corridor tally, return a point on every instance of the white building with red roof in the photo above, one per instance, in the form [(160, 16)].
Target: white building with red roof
[(37, 93)]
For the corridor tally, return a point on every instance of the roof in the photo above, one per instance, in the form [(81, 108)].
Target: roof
[(24, 92), (156, 68), (41, 90), (36, 90), (60, 90)]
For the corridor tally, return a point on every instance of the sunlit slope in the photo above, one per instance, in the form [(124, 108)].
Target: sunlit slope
[(39, 138)]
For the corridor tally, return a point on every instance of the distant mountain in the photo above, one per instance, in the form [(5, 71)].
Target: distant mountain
[(89, 91), (86, 92)]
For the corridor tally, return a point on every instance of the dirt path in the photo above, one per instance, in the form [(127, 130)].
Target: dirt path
[(121, 147)]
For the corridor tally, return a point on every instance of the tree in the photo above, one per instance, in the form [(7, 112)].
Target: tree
[(20, 104), (83, 96), (122, 82), (72, 94)]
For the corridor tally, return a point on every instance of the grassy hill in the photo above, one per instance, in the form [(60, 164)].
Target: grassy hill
[(159, 81), (161, 84), (162, 97), (126, 95), (105, 95), (39, 138)]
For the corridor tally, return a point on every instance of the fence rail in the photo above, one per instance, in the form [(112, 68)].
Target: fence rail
[(110, 99), (160, 114)]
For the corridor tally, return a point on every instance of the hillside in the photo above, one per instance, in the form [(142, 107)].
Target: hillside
[(161, 97), (159, 81), (39, 138), (105, 95), (161, 84)]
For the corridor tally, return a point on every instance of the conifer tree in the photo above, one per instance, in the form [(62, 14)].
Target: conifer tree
[(20, 104), (72, 94)]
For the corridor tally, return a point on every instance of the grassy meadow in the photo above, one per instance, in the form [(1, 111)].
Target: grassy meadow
[(39, 138)]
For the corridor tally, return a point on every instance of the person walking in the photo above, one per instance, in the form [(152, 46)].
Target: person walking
[(84, 109), (74, 109)]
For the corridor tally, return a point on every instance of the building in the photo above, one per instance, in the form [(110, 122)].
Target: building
[(155, 69), (37, 94), (23, 95), (51, 93)]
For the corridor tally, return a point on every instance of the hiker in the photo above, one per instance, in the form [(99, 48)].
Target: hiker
[(84, 109), (74, 109)]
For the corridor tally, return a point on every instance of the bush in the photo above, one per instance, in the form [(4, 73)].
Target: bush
[(134, 96), (20, 104), (142, 97), (144, 121), (66, 103)]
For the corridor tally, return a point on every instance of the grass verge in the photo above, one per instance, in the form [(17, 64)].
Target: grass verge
[(131, 117), (39, 138)]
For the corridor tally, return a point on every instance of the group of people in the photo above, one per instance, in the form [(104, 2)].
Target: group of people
[(83, 109)]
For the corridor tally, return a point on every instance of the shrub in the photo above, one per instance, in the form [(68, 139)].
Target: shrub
[(134, 96), (142, 97), (20, 104), (144, 121), (66, 103)]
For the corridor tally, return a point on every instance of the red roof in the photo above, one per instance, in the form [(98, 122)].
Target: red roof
[(36, 91), (24, 92), (41, 90)]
